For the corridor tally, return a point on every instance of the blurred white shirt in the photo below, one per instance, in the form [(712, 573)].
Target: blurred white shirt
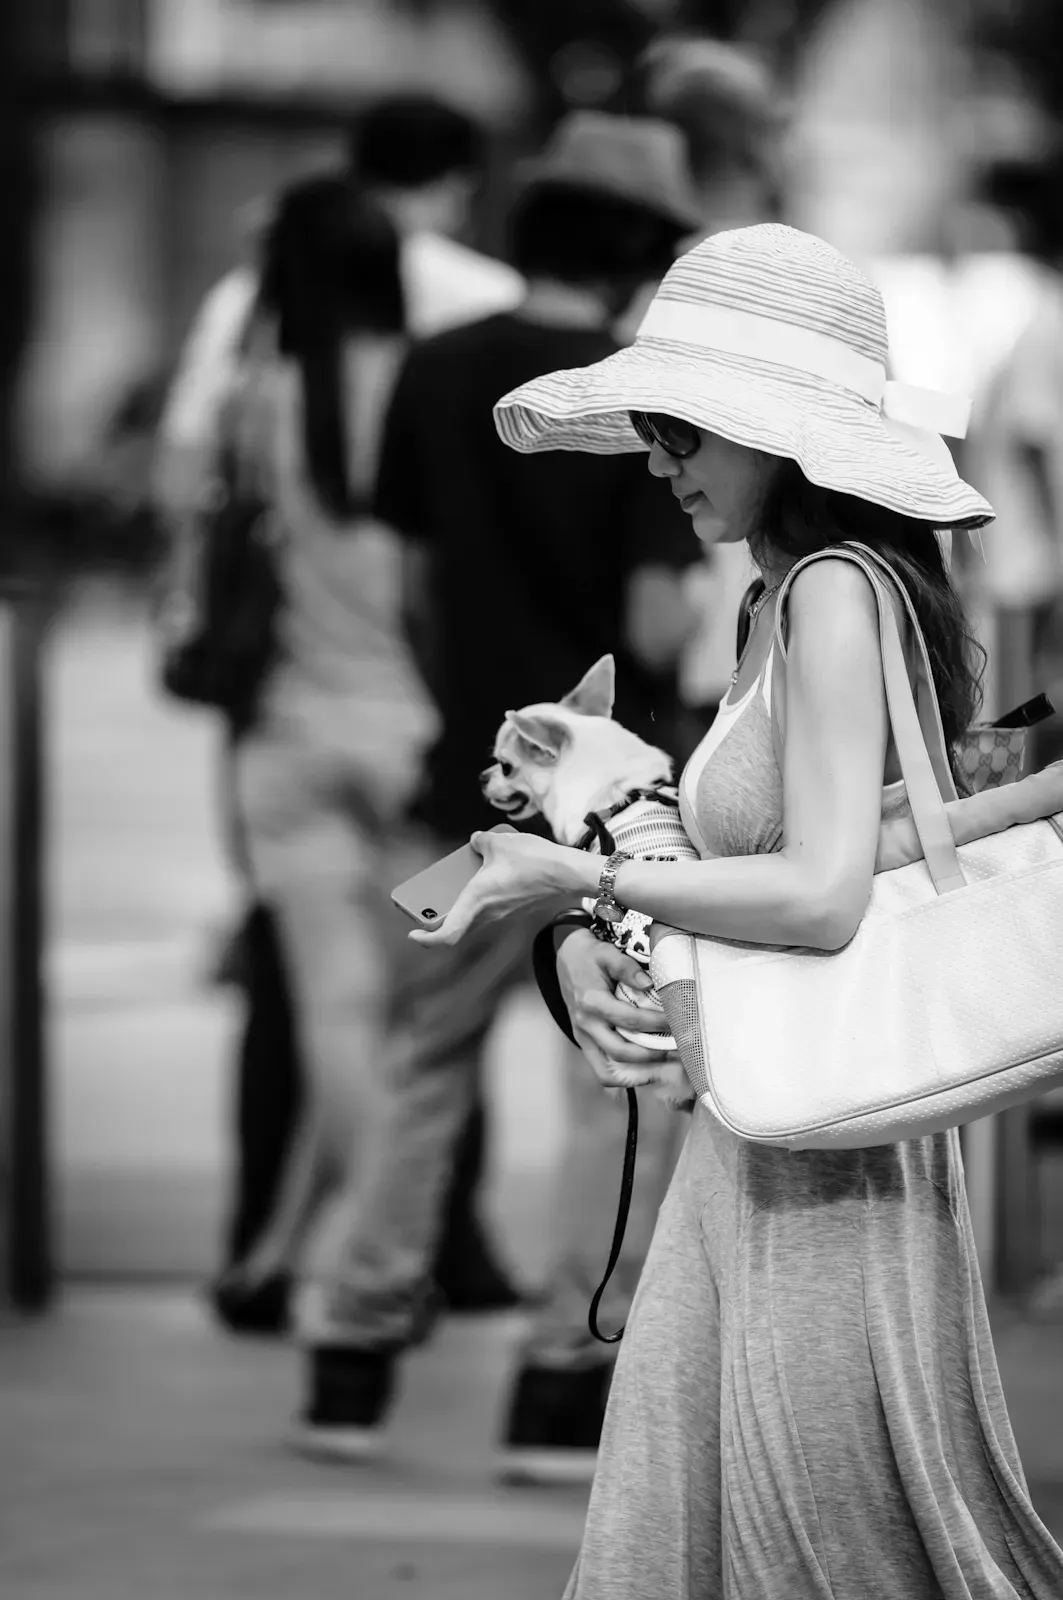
[(445, 284)]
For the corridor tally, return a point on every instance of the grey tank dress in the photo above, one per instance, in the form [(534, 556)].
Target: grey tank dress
[(806, 1404)]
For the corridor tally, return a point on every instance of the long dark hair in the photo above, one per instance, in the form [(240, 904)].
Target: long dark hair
[(330, 268), (799, 517)]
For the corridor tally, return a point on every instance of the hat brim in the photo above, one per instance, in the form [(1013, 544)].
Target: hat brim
[(543, 176), (839, 440)]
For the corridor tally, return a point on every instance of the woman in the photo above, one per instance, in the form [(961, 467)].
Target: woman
[(806, 1403), (293, 358), (342, 719)]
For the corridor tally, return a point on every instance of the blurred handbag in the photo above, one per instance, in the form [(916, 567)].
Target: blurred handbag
[(992, 753), (947, 1003), (218, 625)]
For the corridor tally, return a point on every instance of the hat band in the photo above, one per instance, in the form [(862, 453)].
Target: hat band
[(781, 344), (744, 333)]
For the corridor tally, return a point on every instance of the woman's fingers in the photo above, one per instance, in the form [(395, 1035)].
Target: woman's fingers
[(612, 1045), (645, 1018), (622, 967), (458, 920), (603, 1006), (597, 1059)]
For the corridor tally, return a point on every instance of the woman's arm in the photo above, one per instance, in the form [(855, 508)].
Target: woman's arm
[(814, 891)]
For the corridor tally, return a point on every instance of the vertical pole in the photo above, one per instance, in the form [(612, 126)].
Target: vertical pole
[(25, 1253), (7, 929), (26, 40)]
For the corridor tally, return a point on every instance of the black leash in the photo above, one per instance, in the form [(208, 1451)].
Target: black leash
[(623, 1206), (596, 822), (544, 965)]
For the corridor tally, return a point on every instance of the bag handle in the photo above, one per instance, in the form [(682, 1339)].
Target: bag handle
[(926, 699), (923, 760)]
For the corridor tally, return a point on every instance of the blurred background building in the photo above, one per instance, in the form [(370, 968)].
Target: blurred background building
[(142, 135)]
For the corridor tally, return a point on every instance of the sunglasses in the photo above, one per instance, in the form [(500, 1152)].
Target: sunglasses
[(675, 437)]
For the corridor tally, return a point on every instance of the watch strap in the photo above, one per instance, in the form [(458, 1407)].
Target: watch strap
[(606, 908)]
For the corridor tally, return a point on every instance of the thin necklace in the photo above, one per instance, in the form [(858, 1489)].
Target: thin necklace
[(754, 612)]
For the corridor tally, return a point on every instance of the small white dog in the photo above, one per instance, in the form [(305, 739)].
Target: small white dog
[(569, 763)]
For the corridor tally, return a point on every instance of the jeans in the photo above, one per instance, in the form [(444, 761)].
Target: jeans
[(317, 869), (443, 1005)]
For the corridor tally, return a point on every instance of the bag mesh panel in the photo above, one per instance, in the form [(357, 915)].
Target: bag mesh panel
[(680, 1002)]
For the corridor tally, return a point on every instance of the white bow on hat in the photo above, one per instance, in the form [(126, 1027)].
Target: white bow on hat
[(918, 417), (914, 415)]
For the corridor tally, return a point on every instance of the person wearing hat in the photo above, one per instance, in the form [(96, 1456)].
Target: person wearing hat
[(806, 1401), (733, 115), (531, 569)]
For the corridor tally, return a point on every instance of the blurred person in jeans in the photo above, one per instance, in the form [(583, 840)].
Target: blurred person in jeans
[(732, 114), (419, 161), (342, 720), (526, 570)]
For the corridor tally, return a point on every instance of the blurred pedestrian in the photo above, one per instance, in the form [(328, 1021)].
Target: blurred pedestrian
[(733, 116), (341, 719), (1017, 443), (522, 573), (419, 161)]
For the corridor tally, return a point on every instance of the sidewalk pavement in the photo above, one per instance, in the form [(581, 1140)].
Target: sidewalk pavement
[(144, 1460)]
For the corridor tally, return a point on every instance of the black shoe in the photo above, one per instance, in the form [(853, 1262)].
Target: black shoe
[(348, 1392), (249, 1306), (555, 1424)]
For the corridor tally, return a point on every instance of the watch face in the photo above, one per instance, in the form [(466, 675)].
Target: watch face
[(609, 911)]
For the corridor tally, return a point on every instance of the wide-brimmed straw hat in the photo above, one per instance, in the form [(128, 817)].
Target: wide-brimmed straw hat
[(770, 338), (639, 160)]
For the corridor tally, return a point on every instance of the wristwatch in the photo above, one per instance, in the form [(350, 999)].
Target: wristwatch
[(605, 907)]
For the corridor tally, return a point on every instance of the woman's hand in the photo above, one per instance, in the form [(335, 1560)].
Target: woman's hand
[(521, 874), (588, 972)]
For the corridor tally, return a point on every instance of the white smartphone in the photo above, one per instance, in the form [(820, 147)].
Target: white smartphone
[(428, 896)]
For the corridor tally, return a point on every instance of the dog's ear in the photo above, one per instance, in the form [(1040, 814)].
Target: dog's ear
[(594, 694), (546, 737)]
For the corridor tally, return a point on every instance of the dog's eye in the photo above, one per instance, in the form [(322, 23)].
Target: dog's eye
[(506, 768)]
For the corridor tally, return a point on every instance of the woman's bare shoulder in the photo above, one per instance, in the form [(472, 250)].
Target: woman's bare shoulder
[(831, 600)]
